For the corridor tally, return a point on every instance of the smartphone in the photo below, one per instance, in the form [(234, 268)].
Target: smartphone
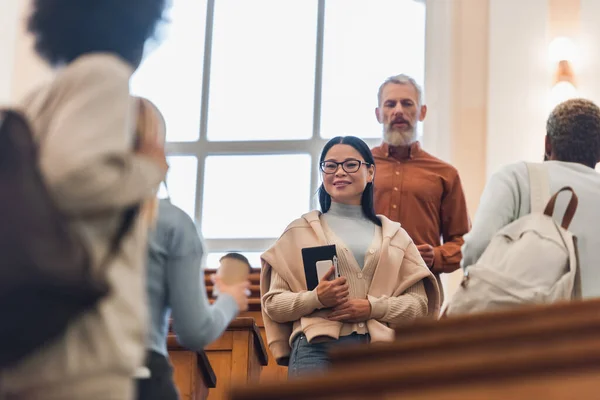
[(313, 255), (322, 268)]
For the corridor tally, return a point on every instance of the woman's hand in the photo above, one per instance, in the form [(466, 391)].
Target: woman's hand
[(354, 310), (332, 293), (238, 291)]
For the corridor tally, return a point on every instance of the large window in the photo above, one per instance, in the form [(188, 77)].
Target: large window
[(251, 91)]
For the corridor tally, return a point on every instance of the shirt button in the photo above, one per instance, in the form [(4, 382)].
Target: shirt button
[(397, 172), (359, 276), (393, 206), (360, 325), (371, 251), (396, 189)]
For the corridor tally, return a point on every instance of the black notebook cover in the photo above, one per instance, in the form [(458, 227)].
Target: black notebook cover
[(310, 256)]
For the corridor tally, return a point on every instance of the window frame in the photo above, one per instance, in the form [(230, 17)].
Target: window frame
[(203, 148)]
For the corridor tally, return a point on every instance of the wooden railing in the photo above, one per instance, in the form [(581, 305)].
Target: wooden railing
[(540, 352)]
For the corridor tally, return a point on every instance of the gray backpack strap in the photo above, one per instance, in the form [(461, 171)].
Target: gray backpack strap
[(539, 186)]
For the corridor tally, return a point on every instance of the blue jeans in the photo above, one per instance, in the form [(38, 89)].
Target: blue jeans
[(313, 357)]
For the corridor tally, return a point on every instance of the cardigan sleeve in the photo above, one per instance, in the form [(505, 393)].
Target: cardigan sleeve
[(282, 305), (410, 305)]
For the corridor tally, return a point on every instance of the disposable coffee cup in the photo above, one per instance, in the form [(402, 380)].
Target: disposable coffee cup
[(232, 271)]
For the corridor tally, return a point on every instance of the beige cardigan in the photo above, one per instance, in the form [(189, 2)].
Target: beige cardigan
[(399, 268), (84, 120)]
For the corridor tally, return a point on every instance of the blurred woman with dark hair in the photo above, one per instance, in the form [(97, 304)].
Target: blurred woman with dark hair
[(175, 283)]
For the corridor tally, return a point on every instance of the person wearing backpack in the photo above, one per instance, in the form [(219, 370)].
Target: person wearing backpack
[(83, 122), (572, 150)]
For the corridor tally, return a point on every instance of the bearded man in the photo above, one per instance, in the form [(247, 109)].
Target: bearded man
[(413, 187)]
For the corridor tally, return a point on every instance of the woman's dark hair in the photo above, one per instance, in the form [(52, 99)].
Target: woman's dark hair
[(367, 196), (67, 29)]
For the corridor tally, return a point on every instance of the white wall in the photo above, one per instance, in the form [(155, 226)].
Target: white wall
[(519, 81), (588, 71), (438, 74), (24, 69), (9, 26)]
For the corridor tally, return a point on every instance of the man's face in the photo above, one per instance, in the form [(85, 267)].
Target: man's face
[(399, 113)]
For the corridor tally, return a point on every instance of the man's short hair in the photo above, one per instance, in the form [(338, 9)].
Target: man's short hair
[(67, 29), (401, 79), (574, 131), (239, 257)]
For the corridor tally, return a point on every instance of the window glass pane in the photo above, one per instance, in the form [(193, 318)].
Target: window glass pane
[(315, 195), (171, 75), (212, 259), (262, 72), (254, 196), (181, 182), (390, 41), (163, 193)]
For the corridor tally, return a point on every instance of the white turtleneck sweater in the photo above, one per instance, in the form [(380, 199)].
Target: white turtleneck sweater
[(350, 225)]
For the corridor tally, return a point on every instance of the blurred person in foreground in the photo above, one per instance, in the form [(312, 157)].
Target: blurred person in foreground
[(84, 120)]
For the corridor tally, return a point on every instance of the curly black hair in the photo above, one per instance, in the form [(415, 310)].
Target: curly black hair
[(67, 29), (574, 131)]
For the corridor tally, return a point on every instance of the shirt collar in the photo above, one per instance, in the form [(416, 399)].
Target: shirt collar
[(401, 152)]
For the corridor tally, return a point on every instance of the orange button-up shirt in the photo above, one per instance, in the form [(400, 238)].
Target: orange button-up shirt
[(425, 195)]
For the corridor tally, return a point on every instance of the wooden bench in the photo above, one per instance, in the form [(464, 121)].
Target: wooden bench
[(547, 352), (452, 335), (272, 371), (192, 371)]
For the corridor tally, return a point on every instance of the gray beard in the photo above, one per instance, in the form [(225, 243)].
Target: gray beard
[(395, 138)]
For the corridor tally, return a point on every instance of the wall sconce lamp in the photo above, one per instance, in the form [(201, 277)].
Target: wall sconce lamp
[(562, 53)]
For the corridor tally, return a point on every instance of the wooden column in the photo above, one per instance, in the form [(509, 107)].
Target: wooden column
[(192, 371), (238, 356)]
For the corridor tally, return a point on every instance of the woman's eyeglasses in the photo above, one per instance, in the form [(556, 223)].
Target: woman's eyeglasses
[(350, 166)]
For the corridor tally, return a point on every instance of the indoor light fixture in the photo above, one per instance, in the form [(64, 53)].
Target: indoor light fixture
[(562, 52), (562, 49)]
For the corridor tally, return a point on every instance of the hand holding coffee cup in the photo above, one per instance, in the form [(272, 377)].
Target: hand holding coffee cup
[(232, 278)]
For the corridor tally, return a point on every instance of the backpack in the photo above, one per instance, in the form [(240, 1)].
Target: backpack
[(532, 260), (46, 278)]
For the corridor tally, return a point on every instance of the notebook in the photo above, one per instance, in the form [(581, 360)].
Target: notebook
[(311, 257)]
